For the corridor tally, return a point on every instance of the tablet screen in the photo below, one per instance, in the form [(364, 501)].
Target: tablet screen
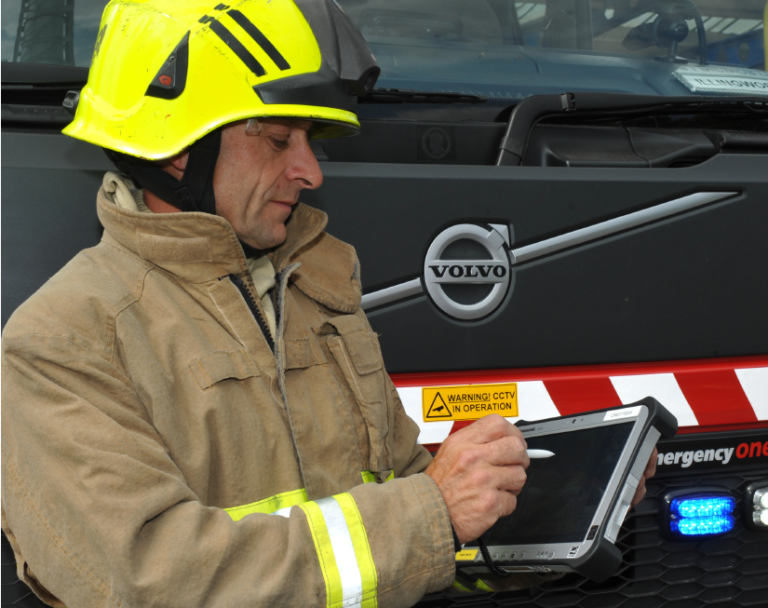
[(563, 492)]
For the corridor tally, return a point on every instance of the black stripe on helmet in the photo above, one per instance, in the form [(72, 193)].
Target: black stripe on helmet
[(259, 38), (237, 48)]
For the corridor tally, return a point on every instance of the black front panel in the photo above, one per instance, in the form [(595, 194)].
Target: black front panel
[(48, 216), (688, 286)]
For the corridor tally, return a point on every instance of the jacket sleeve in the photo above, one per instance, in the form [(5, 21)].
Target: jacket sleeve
[(100, 515), (410, 456)]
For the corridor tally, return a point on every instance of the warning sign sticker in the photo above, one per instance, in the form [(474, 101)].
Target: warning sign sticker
[(469, 402)]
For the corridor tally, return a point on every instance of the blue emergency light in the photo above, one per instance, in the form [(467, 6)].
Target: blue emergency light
[(703, 508), (700, 512), (703, 526)]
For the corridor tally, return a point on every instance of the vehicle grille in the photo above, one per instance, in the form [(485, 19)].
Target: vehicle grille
[(14, 592), (726, 572)]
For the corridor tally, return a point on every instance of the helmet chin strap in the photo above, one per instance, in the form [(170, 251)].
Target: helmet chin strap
[(194, 191)]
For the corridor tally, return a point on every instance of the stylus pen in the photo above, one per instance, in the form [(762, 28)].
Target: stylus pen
[(539, 453)]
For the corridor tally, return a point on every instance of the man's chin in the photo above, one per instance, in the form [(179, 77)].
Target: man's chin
[(264, 242)]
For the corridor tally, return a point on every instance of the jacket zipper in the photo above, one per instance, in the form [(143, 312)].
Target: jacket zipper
[(255, 310)]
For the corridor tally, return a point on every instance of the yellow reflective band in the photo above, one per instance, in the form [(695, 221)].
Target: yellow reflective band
[(333, 590), (370, 477), (482, 586), (362, 549), (343, 552), (286, 500), (459, 587)]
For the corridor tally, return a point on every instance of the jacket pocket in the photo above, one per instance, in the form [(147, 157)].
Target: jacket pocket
[(357, 354), (300, 354), (222, 365)]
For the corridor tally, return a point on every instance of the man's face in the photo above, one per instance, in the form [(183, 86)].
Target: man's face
[(259, 176)]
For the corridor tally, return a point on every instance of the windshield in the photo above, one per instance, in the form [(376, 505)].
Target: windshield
[(498, 49), (59, 32)]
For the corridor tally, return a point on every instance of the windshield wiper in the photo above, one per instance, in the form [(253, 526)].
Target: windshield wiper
[(410, 96), (587, 106)]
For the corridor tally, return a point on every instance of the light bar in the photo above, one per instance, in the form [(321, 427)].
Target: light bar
[(703, 507), (756, 505), (699, 512), (703, 526)]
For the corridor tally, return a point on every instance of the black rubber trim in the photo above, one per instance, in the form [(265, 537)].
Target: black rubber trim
[(259, 38), (321, 88), (237, 48)]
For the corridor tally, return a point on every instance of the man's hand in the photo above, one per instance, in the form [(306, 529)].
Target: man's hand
[(650, 471), (480, 470)]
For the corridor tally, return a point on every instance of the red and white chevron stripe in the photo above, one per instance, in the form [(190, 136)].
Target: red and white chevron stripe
[(705, 395)]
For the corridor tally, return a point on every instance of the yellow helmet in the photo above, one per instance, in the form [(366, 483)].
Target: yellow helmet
[(167, 72)]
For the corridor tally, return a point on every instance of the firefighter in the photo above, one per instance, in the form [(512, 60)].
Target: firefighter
[(196, 411)]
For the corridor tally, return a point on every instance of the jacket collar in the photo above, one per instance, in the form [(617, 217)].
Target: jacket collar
[(329, 271), (199, 247)]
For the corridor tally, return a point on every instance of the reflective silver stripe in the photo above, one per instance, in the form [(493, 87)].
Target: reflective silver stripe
[(631, 220), (284, 512), (570, 239), (343, 552), (391, 294)]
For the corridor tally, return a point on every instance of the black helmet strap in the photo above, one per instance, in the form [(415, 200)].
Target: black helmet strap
[(194, 191)]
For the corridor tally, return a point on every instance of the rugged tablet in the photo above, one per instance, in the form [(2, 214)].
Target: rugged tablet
[(572, 506)]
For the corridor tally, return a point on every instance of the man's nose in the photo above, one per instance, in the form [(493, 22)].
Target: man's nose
[(304, 166)]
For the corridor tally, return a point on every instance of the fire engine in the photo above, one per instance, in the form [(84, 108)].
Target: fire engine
[(558, 206)]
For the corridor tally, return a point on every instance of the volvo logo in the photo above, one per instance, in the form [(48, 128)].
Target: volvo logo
[(467, 270)]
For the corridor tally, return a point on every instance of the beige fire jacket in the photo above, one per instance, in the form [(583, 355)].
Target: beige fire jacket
[(149, 432)]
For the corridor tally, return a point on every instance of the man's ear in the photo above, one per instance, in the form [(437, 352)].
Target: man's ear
[(179, 162), (176, 165)]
